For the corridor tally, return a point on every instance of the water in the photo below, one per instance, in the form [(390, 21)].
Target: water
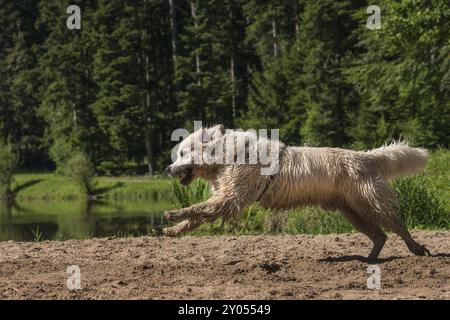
[(62, 220)]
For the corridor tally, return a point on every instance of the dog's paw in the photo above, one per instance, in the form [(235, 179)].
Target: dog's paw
[(171, 216), (170, 232), (177, 229), (175, 215), (426, 252), (168, 216)]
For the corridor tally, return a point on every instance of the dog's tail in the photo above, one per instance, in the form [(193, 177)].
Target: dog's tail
[(399, 159)]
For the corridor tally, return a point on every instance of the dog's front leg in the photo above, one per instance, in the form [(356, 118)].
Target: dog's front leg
[(228, 200), (185, 225), (178, 215), (193, 216), (208, 210)]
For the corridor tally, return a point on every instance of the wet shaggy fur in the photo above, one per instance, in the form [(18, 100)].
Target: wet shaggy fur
[(353, 182)]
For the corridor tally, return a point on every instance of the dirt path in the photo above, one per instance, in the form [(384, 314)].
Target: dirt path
[(246, 267)]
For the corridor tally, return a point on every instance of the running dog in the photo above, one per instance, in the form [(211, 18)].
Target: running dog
[(352, 182)]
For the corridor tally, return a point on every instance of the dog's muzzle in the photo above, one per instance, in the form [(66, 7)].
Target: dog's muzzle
[(186, 174)]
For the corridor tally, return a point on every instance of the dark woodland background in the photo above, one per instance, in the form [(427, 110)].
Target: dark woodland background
[(139, 69)]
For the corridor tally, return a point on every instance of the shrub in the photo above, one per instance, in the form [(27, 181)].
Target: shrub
[(196, 192), (80, 169), (9, 161), (419, 203), (313, 220), (257, 220), (438, 171), (61, 151)]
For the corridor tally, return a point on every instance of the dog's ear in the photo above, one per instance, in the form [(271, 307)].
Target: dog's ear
[(213, 133)]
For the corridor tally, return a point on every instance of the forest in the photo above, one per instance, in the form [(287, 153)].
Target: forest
[(136, 70)]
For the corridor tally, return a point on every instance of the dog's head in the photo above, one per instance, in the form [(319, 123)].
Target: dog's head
[(189, 164)]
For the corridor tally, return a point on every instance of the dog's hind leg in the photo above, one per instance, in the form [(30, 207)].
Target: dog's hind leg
[(393, 223), (371, 230), (385, 203)]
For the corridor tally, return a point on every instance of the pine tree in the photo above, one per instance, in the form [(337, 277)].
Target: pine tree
[(19, 122), (272, 29), (211, 62), (136, 70), (67, 88), (401, 75), (132, 68), (324, 48)]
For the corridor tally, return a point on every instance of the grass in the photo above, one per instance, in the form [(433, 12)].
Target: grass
[(186, 196), (37, 234), (257, 220), (50, 186), (438, 172), (9, 160), (80, 169), (420, 203)]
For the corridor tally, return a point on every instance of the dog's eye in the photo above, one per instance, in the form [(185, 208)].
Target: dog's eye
[(182, 154)]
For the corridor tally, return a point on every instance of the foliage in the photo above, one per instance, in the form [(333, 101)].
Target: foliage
[(419, 203), (55, 187), (196, 192), (137, 70), (80, 169), (9, 161)]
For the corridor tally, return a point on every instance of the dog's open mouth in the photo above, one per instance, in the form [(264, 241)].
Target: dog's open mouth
[(186, 176)]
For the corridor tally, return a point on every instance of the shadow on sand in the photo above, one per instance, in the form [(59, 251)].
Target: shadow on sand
[(359, 258), (370, 261)]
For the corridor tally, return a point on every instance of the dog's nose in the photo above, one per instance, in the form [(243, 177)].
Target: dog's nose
[(168, 170)]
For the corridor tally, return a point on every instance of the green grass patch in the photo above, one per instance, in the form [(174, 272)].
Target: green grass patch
[(51, 186), (196, 192), (438, 172), (258, 220), (420, 204)]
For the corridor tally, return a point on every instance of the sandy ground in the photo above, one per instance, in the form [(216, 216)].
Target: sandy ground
[(246, 267)]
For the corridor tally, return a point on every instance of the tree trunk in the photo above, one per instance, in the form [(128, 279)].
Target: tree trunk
[(147, 128), (197, 59), (147, 110), (173, 33), (296, 17), (233, 89), (197, 56), (148, 147), (174, 39), (274, 36), (232, 69), (74, 115)]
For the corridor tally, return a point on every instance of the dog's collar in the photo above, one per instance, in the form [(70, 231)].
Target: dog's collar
[(271, 178), (266, 187)]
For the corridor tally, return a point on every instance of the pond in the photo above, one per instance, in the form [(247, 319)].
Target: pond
[(38, 220)]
